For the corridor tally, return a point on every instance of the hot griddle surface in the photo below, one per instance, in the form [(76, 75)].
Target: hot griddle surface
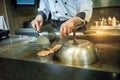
[(22, 49)]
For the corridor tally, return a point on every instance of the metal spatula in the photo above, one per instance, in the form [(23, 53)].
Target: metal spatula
[(43, 40)]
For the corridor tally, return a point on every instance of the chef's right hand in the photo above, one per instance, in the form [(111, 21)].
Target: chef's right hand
[(37, 23)]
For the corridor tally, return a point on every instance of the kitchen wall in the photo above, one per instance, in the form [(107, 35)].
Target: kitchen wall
[(23, 14), (106, 3), (2, 10), (16, 16)]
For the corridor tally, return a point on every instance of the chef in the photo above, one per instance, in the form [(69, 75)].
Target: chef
[(64, 14)]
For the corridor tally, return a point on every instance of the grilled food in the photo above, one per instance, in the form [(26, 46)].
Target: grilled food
[(49, 50)]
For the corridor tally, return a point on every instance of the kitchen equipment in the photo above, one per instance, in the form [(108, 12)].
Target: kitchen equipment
[(17, 47), (4, 29), (4, 34), (78, 51), (42, 41)]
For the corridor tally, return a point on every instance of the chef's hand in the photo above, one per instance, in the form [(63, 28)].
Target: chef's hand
[(68, 26), (37, 23)]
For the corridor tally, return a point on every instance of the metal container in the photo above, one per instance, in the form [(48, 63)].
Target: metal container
[(78, 52)]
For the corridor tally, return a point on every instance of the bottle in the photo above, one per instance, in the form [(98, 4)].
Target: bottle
[(114, 21), (103, 21), (109, 21)]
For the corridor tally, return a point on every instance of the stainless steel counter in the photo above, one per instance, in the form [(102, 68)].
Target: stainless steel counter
[(24, 48)]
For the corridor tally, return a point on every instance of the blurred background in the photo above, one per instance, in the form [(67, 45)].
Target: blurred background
[(19, 13)]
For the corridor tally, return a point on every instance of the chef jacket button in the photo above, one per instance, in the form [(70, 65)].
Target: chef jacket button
[(66, 14), (58, 19), (56, 11), (65, 3), (56, 1)]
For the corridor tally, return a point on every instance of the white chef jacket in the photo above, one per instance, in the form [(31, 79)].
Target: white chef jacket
[(65, 9)]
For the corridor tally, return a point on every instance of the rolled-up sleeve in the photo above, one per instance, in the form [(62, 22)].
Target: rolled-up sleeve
[(44, 9), (85, 8)]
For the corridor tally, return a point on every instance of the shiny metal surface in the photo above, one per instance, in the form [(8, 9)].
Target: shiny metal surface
[(42, 41), (24, 48), (79, 52)]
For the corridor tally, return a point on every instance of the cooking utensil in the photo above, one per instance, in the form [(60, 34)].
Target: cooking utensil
[(76, 52), (43, 41), (55, 46)]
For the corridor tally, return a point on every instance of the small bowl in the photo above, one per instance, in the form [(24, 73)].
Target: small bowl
[(78, 52)]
